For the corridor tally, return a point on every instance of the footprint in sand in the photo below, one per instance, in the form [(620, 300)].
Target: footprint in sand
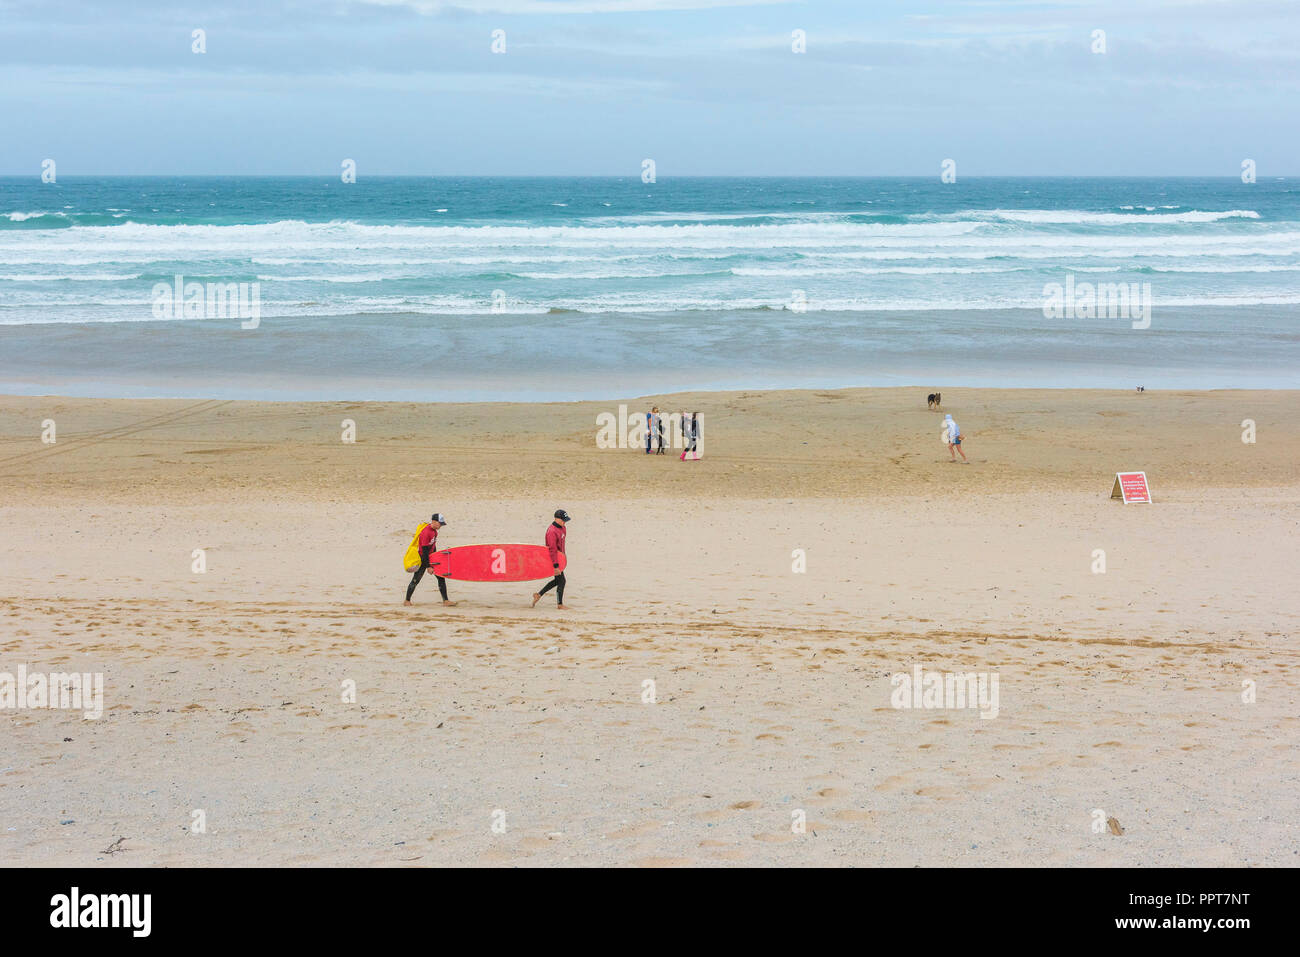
[(938, 793), (855, 815), (896, 781), (635, 830), (827, 793)]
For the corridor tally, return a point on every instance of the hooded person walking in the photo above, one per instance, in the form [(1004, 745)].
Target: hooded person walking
[(954, 438)]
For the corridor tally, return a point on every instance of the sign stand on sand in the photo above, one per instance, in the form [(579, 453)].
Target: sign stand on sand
[(1131, 487)]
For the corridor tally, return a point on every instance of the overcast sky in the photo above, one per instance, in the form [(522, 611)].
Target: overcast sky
[(703, 87)]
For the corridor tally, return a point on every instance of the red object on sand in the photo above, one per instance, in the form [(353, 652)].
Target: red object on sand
[(1131, 487), (494, 563)]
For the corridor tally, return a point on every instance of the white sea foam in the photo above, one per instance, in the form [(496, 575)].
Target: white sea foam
[(996, 259), (796, 272), (334, 277), (1075, 216), (340, 233), (23, 217), (358, 241), (1232, 268), (83, 277), (451, 307)]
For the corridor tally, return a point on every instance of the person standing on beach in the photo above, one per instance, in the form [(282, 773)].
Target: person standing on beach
[(428, 545), (651, 427), (954, 438), (690, 432), (555, 545)]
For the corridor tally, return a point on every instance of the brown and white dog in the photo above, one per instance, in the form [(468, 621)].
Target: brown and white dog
[(934, 400)]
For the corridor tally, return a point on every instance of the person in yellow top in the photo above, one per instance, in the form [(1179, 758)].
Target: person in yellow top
[(429, 545)]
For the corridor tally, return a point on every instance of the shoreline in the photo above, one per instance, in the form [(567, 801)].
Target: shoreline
[(592, 356), (616, 398)]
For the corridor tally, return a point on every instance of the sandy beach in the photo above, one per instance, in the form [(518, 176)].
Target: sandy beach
[(1120, 692)]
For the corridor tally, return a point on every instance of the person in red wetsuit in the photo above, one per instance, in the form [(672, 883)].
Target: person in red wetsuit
[(555, 544), (429, 545)]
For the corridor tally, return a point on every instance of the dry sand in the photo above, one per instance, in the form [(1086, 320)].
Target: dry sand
[(1119, 693)]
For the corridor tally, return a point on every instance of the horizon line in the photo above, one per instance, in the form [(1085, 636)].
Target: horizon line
[(636, 176)]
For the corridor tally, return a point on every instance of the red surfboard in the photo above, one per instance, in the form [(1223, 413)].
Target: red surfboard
[(494, 563)]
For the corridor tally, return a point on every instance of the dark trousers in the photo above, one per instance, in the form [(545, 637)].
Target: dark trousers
[(558, 584), (415, 580)]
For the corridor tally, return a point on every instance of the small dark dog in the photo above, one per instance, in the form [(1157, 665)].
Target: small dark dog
[(934, 400)]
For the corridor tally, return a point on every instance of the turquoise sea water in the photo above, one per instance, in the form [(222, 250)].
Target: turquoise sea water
[(554, 288)]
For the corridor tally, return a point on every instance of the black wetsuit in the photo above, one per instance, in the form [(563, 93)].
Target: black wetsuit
[(419, 573), (558, 584), (555, 544)]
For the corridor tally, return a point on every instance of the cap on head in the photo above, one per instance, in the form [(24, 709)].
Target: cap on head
[(562, 515), (439, 518)]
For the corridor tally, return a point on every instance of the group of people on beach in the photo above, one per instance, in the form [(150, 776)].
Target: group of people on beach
[(657, 438), (555, 535), (656, 441)]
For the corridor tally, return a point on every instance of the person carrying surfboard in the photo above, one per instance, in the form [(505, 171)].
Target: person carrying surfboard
[(428, 544), (555, 545)]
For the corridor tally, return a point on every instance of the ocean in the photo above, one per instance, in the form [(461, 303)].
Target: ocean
[(469, 289)]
